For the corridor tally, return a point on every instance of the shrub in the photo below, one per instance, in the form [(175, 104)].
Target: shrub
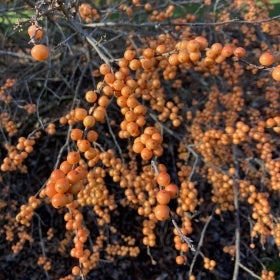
[(140, 135)]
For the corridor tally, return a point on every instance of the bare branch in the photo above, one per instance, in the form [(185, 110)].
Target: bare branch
[(164, 24), (200, 244)]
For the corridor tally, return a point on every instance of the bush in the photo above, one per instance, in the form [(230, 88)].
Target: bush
[(140, 140)]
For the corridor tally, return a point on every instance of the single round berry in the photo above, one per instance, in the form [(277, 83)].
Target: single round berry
[(161, 212)]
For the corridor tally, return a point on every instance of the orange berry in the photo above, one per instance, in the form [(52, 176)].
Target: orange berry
[(76, 134), (85, 10), (89, 121), (91, 135), (147, 63), (83, 145), (62, 185), (109, 78), (208, 61), (118, 85), (216, 48), (163, 197), (137, 147), (202, 42), (123, 62), (119, 75), (73, 157), (99, 113), (152, 144), (28, 149), (59, 200), (133, 129), (126, 91), (275, 73), (141, 121), (144, 137), (73, 176), (270, 122), (40, 52), (134, 64), (91, 96), (121, 101), (76, 270), (158, 151), (65, 167), (107, 90), (173, 190), (103, 100), (150, 130), (157, 137), (173, 59), (148, 53), (195, 56), (162, 167), (56, 174), (130, 116), (140, 109), (227, 51), (81, 171), (161, 212), (220, 58), (80, 114), (146, 154), (104, 69), (132, 102), (193, 46), (180, 260), (75, 188), (160, 49), (239, 52), (35, 31), (69, 197), (266, 59), (129, 54), (163, 178), (183, 56), (148, 7), (50, 190), (211, 54)]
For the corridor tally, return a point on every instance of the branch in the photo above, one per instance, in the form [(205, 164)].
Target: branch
[(249, 271), (18, 55), (157, 25), (200, 243), (183, 237), (237, 219), (114, 139), (78, 28)]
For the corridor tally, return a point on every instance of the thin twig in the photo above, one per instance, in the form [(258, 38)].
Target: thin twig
[(114, 138), (183, 237), (158, 25), (154, 165), (200, 243), (89, 38), (93, 43), (249, 271), (42, 244), (150, 255), (18, 55), (237, 220)]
